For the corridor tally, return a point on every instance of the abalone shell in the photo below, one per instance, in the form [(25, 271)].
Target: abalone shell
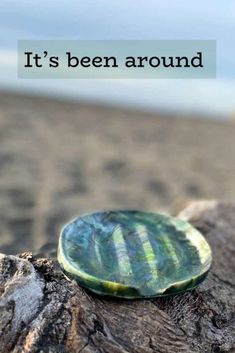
[(133, 254)]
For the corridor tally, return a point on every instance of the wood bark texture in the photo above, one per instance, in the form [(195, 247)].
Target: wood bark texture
[(41, 311)]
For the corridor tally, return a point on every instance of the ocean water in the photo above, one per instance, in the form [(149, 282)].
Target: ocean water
[(103, 20)]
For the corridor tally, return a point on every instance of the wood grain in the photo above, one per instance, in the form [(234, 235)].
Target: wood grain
[(66, 318)]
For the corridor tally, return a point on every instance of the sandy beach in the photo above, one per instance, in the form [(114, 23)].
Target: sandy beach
[(59, 159)]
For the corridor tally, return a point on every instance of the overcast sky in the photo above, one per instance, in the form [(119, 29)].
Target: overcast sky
[(126, 19)]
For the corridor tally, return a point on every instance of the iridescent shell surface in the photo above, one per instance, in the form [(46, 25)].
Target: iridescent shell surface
[(133, 254)]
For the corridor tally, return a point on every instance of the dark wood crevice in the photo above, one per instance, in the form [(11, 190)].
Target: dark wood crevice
[(62, 317)]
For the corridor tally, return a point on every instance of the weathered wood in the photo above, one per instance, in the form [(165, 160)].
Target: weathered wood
[(41, 311)]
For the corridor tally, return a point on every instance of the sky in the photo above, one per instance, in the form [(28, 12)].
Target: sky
[(126, 19)]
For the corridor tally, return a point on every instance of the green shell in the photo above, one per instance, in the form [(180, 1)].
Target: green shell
[(133, 254)]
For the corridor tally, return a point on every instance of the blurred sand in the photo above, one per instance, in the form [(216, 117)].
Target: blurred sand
[(60, 159)]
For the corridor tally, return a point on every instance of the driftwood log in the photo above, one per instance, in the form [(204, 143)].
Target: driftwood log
[(41, 311)]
